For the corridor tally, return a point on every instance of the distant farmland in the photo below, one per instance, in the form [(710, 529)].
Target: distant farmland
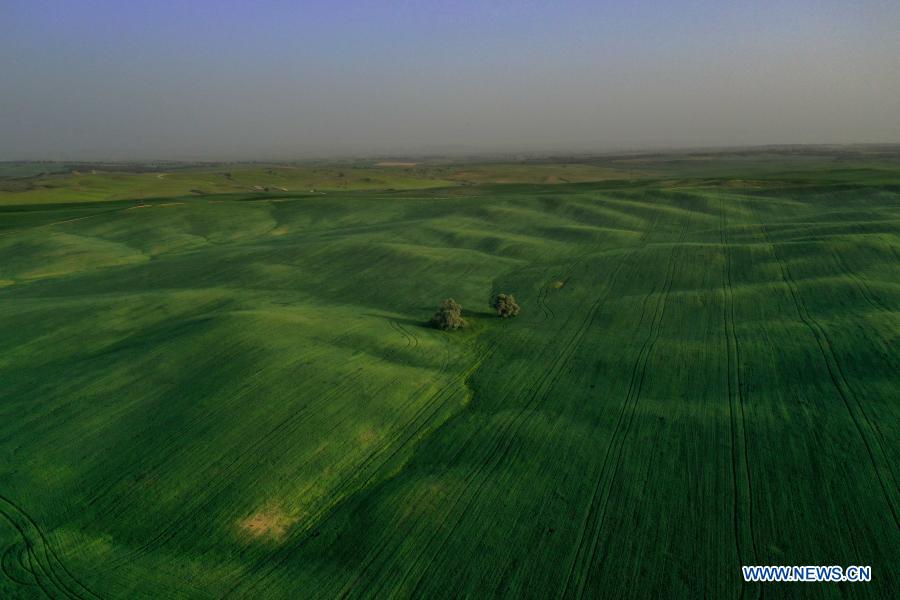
[(211, 390)]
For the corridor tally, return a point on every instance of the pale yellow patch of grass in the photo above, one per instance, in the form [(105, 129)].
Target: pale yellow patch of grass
[(269, 523)]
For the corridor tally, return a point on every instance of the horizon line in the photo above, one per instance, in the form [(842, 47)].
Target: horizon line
[(546, 153)]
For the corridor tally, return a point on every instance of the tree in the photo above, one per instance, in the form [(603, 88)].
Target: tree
[(448, 316), (505, 305)]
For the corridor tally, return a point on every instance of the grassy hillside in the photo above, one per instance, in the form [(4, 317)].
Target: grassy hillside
[(235, 395), (53, 183)]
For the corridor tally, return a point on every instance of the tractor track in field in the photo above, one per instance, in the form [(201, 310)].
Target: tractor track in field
[(423, 415), (12, 563), (596, 513), (280, 431), (512, 424), (542, 302), (45, 577), (636, 382), (48, 570), (543, 299), (594, 510), (412, 432), (861, 284), (428, 410), (291, 422), (650, 229), (567, 274), (283, 429), (547, 288), (347, 588), (421, 418), (548, 313), (195, 420), (836, 374), (734, 386), (393, 324), (412, 340), (319, 519), (497, 452), (895, 253), (413, 435), (198, 419)]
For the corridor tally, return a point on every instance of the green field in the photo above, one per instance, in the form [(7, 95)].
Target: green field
[(233, 393)]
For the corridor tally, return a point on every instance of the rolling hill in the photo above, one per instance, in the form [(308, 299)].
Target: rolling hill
[(234, 393)]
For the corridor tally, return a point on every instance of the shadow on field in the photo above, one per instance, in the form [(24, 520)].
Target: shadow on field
[(479, 314), (466, 313), (424, 322)]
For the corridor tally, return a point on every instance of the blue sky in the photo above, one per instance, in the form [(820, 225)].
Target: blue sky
[(278, 79)]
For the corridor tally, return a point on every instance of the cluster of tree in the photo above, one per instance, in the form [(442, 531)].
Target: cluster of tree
[(505, 305), (449, 316)]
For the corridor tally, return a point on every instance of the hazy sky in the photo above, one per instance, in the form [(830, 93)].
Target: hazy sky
[(282, 79)]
